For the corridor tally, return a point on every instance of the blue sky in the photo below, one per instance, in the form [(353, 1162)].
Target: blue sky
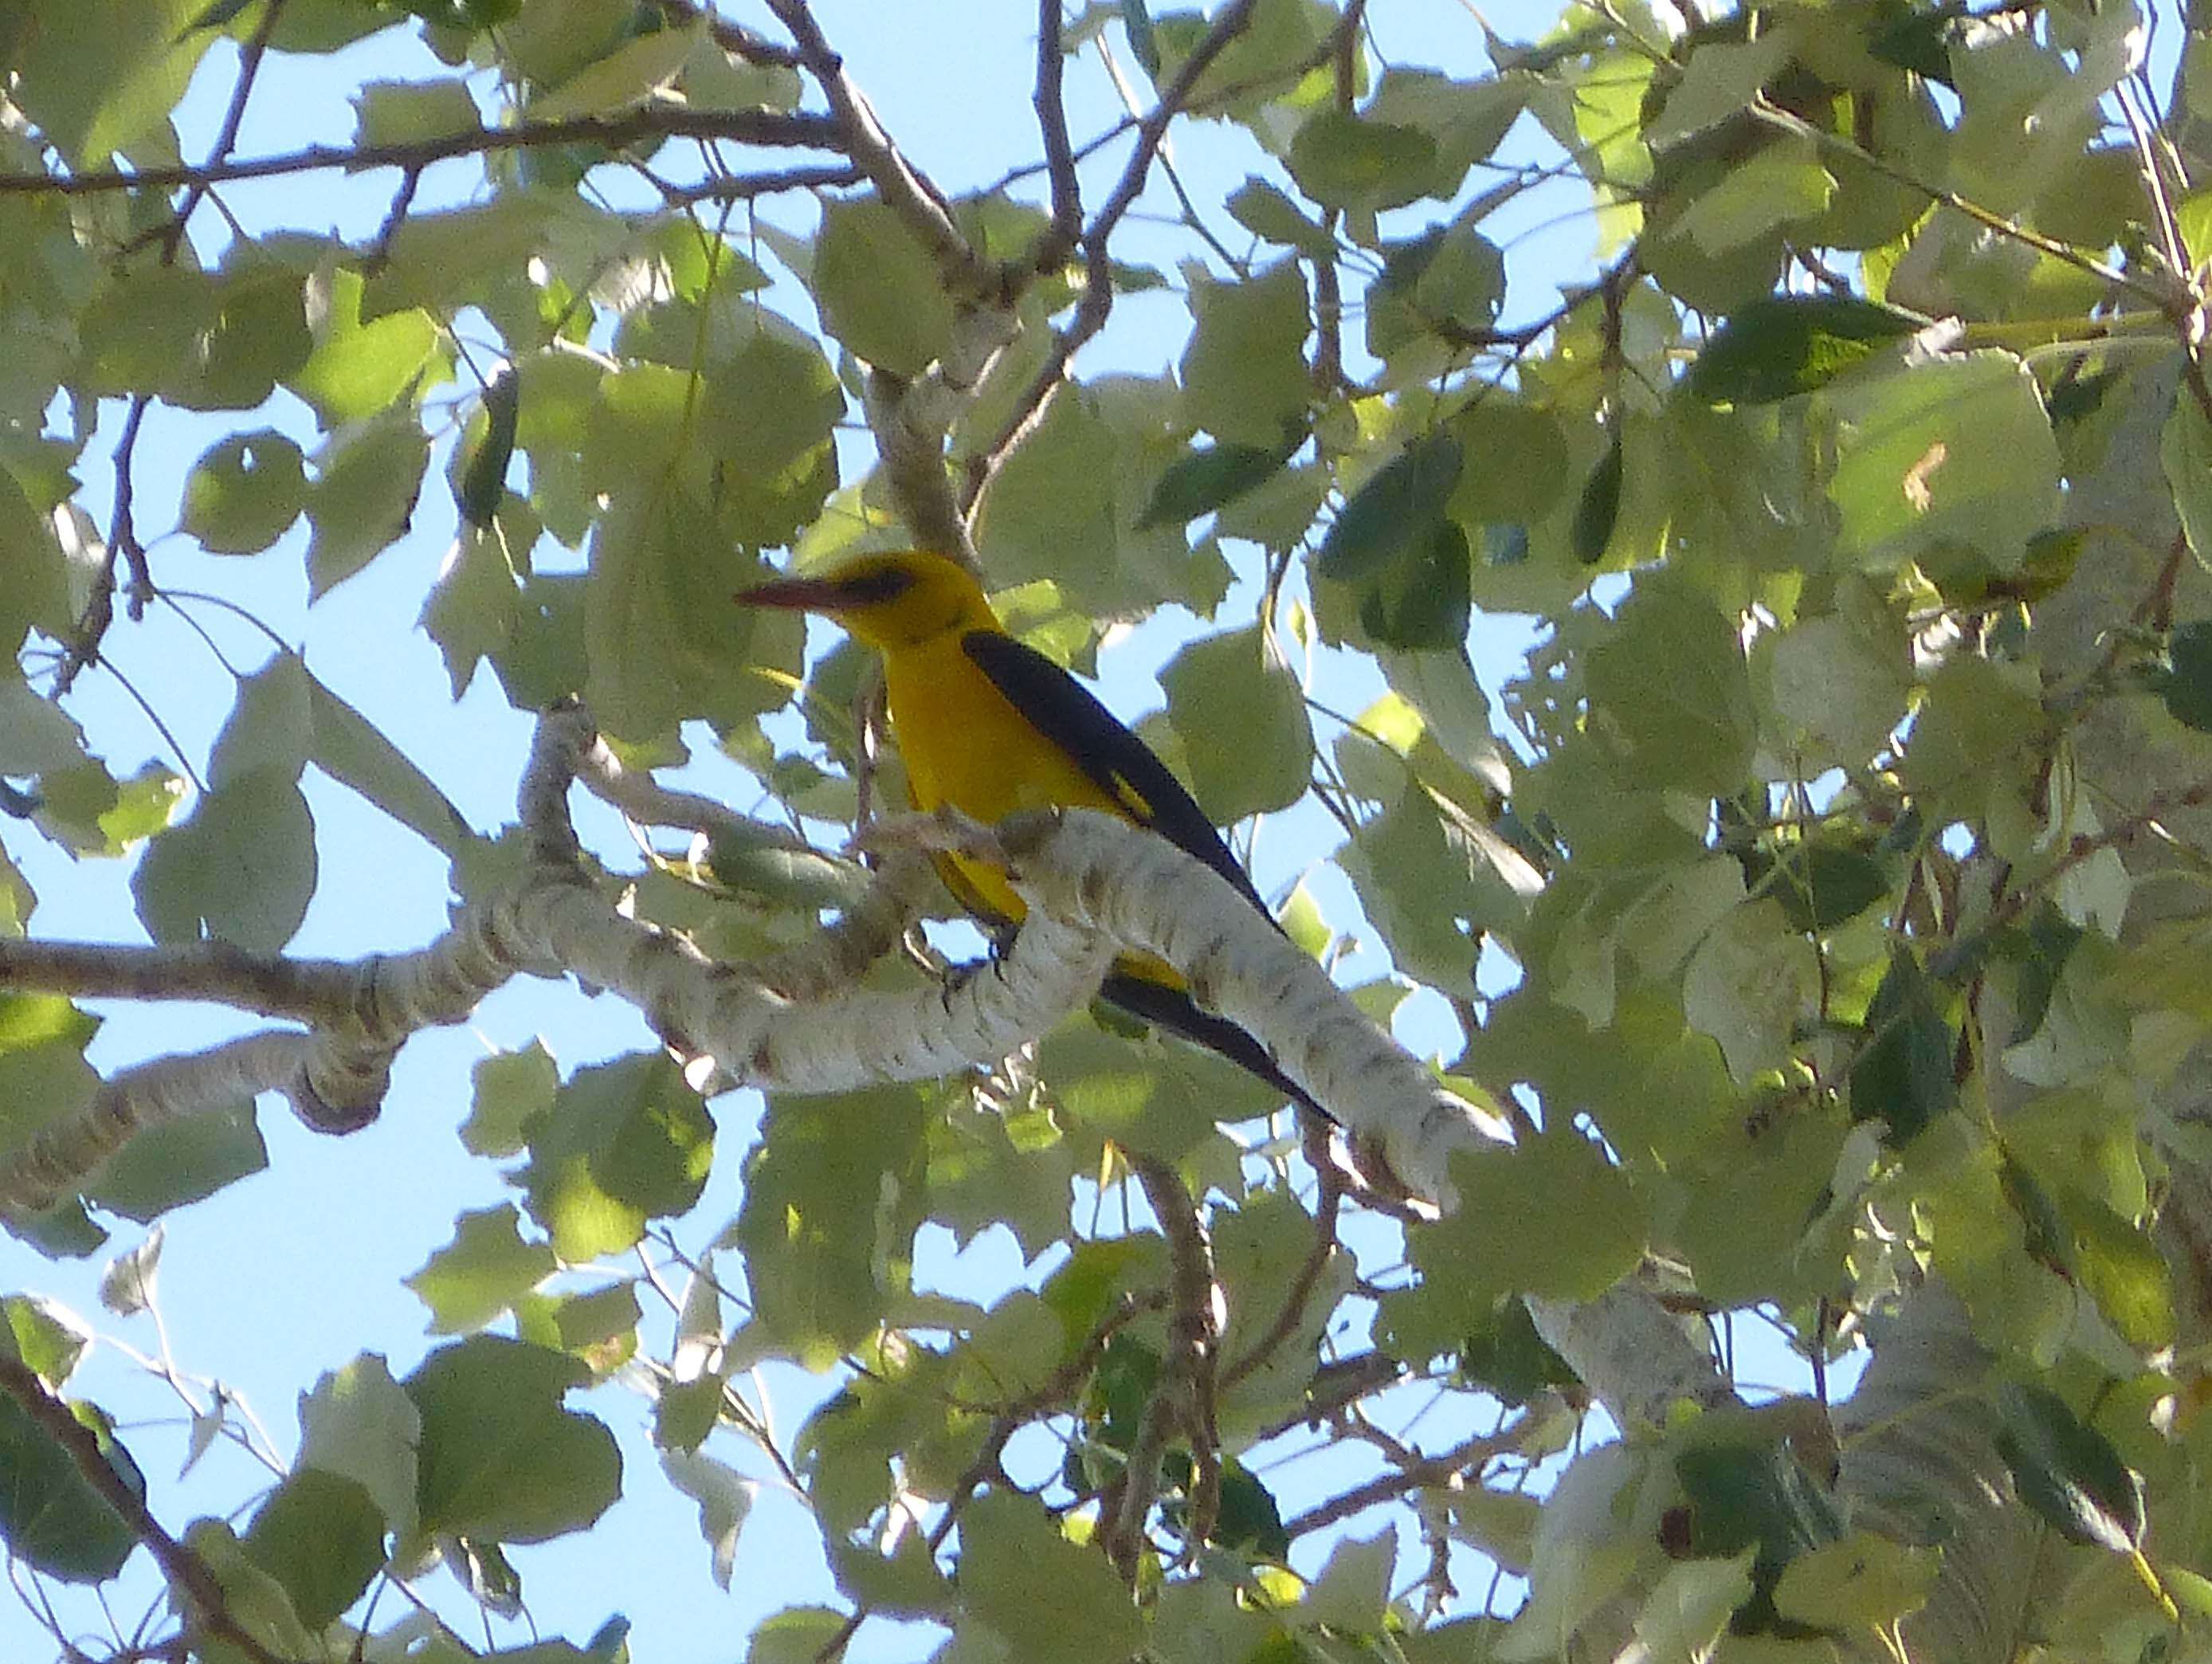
[(288, 1274)]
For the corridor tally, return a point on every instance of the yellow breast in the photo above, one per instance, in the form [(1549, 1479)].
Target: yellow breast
[(964, 745)]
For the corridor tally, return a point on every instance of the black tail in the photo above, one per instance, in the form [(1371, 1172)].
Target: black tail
[(1173, 1010)]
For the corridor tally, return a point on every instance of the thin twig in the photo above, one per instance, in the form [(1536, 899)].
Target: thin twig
[(744, 187), (1455, 1464), (122, 543), (185, 1571), (1097, 302), (1059, 242), (249, 66), (903, 186), (767, 127)]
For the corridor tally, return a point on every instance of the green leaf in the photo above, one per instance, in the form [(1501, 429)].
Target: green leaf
[(256, 1602), (879, 288), (662, 640), (771, 408), (1597, 510), (269, 728), (475, 608), (37, 736), (259, 334), (1978, 722), (1671, 687), (1857, 1582), (1938, 457), (358, 1421), (1261, 1253), (1424, 602), (407, 111), (2068, 1471), (140, 330), (241, 870), (482, 1273), (800, 1635), (100, 77), (623, 1143), (500, 1459), (1467, 119), (833, 1197), (37, 592), (43, 1078), (725, 1498), (1720, 79), (2186, 682), (1902, 1074), (1137, 24), (322, 1537), (1417, 890), (600, 1327), (1749, 984), (363, 500), (46, 1337), (1837, 682), (484, 481), (50, 1516), (1353, 1593), (1343, 160), (360, 369), (1783, 183), (352, 752), (1270, 216), (1446, 284), (1248, 1516), (1503, 1239), (178, 1161), (512, 1089), (1395, 512), (1245, 379), (1241, 717), (1049, 513), (1010, 1549), (2184, 452), (1822, 884), (1203, 481), (1774, 348), (1506, 1357), (2121, 1266), (632, 73)]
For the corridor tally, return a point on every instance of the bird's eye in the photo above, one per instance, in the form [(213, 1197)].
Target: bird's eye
[(873, 588)]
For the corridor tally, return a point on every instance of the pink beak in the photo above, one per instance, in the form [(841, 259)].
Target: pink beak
[(791, 595)]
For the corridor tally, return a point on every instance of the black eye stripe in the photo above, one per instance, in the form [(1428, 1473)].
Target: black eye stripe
[(869, 587)]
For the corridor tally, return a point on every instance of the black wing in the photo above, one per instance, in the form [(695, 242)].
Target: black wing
[(1118, 763)]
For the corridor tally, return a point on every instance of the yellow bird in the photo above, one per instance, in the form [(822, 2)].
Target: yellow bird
[(990, 725)]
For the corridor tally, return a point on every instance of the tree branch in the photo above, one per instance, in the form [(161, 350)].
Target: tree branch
[(767, 127), (187, 1573), (1182, 1397), (900, 184)]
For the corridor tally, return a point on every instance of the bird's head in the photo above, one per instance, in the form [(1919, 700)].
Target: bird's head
[(894, 599)]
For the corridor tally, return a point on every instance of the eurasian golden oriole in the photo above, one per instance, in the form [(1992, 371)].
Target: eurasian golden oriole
[(989, 725)]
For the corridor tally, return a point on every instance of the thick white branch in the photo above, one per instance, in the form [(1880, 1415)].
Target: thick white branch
[(1147, 894)]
